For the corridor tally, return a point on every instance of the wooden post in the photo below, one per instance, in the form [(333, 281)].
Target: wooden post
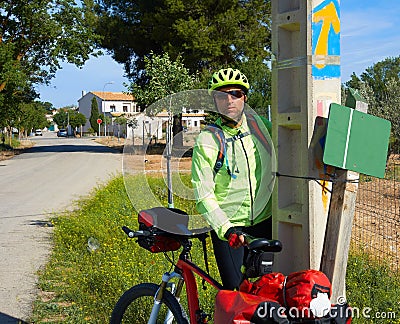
[(340, 219)]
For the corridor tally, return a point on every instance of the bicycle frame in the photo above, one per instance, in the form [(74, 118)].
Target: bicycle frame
[(185, 271), (188, 270)]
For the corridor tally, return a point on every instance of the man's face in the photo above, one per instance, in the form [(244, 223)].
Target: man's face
[(230, 102)]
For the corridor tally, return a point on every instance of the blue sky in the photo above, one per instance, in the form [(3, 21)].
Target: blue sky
[(369, 34)]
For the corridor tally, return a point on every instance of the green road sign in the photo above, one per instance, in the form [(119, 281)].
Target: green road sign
[(356, 141)]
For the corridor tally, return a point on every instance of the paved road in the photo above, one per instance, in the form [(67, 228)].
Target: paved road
[(33, 185)]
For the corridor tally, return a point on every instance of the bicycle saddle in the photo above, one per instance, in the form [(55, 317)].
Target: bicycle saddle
[(265, 245)]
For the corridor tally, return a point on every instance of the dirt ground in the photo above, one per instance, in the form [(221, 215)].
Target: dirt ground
[(6, 152), (151, 160)]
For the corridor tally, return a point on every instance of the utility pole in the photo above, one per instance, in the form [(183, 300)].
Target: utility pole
[(305, 81)]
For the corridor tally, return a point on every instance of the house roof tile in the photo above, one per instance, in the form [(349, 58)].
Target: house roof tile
[(113, 96)]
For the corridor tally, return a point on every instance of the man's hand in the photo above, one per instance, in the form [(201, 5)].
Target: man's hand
[(235, 238)]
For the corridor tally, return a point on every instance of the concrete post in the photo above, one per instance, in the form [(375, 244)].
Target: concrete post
[(305, 80)]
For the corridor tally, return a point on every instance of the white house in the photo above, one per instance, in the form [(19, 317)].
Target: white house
[(108, 103), (116, 104)]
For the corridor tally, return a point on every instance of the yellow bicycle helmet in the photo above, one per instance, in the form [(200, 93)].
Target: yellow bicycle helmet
[(227, 77)]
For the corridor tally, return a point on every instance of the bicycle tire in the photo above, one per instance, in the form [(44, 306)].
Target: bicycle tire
[(126, 312)]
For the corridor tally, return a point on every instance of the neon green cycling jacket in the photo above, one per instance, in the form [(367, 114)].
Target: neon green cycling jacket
[(240, 199)]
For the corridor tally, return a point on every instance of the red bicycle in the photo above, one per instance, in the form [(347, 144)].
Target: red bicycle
[(160, 303)]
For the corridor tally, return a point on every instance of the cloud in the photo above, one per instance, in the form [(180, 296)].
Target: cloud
[(369, 34)]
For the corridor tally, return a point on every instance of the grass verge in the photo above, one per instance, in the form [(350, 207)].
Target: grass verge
[(82, 286), (373, 290), (79, 285)]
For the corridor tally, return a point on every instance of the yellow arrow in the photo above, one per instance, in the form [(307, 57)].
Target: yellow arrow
[(329, 17)]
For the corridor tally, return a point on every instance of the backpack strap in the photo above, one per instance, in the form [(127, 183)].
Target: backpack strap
[(219, 135), (257, 132)]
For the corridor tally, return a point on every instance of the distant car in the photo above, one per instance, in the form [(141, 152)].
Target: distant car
[(38, 132), (62, 133)]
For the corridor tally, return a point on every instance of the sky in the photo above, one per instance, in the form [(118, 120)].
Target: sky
[(369, 34)]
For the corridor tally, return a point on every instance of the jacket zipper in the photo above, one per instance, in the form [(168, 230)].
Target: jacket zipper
[(250, 186)]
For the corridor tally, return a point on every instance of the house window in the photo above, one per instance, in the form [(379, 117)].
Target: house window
[(125, 108), (195, 123), (112, 108)]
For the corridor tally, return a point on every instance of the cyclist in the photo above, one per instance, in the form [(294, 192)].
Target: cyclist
[(236, 197)]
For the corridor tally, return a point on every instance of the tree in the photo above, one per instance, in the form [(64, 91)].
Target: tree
[(391, 107), (36, 35), (61, 118), (32, 116), (94, 115), (76, 119), (379, 84), (48, 106), (378, 76), (11, 99), (67, 116), (165, 78), (121, 121), (259, 76), (206, 34)]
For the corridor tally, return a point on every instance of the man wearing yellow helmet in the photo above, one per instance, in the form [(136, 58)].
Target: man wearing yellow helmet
[(233, 196)]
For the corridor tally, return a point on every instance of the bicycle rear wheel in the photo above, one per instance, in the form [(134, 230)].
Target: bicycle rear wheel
[(135, 306)]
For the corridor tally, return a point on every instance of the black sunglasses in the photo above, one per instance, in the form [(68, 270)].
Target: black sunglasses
[(222, 95)]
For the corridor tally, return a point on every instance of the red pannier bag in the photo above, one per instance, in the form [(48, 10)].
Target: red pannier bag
[(241, 308), (306, 294), (269, 286), (165, 221)]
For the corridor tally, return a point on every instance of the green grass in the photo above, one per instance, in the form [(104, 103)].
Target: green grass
[(7, 146), (79, 286), (374, 288)]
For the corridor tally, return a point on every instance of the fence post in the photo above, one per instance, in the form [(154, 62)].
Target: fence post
[(340, 218)]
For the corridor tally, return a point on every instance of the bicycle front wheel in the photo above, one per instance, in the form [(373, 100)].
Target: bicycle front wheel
[(136, 304)]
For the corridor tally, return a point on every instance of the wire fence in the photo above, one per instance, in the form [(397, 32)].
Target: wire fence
[(376, 227)]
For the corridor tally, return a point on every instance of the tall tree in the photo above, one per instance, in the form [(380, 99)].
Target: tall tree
[(207, 34), (94, 115), (36, 35), (11, 99)]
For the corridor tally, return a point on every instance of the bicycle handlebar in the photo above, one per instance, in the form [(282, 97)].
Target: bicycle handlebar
[(252, 243), (133, 234)]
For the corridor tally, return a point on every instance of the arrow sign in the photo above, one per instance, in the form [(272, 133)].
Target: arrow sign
[(325, 18)]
